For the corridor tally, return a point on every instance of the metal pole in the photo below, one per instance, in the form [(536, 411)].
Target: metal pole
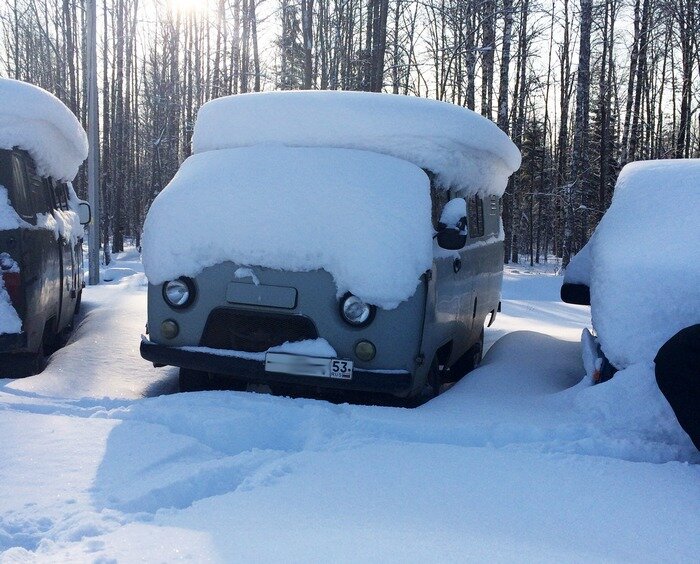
[(93, 139)]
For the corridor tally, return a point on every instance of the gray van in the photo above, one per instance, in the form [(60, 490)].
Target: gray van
[(42, 271), (252, 320), (42, 146)]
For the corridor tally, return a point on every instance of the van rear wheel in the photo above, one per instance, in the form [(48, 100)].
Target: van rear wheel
[(193, 380)]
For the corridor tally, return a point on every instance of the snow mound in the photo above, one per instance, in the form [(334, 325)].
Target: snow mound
[(38, 122), (461, 147), (361, 216), (645, 276)]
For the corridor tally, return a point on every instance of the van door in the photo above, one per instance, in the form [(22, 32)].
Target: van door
[(474, 254), (453, 287)]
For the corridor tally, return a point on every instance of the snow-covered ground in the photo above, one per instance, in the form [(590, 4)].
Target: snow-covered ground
[(522, 460)]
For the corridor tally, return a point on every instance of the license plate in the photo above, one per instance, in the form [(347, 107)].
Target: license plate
[(309, 366)]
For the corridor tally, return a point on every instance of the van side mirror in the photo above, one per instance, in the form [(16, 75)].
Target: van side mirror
[(84, 213), (578, 294), (452, 234)]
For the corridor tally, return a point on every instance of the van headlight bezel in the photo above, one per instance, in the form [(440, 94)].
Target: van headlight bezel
[(355, 312), (184, 288)]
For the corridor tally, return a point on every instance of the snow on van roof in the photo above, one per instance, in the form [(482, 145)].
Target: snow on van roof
[(35, 120), (361, 216), (463, 148), (645, 268)]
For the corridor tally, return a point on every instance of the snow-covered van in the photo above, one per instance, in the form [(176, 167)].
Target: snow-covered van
[(41, 147), (640, 271), (329, 239)]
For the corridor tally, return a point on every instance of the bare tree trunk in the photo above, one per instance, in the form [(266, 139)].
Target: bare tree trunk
[(579, 160), (307, 8)]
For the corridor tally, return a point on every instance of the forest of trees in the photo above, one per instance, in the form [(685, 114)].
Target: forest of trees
[(582, 86)]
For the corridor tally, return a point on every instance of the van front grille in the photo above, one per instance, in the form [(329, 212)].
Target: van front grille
[(252, 331)]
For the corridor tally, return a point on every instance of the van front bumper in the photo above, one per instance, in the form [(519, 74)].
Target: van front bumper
[(397, 383)]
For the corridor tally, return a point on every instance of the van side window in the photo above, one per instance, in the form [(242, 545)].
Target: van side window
[(476, 216), (438, 198), (60, 195), (19, 194), (37, 188)]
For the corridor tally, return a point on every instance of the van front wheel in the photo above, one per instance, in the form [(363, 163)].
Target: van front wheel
[(193, 380), (470, 359)]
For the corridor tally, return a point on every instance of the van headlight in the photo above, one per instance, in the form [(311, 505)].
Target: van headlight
[(356, 312), (179, 293)]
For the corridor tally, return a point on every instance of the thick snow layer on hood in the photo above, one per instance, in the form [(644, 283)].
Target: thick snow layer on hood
[(460, 146), (37, 121), (645, 276), (361, 216)]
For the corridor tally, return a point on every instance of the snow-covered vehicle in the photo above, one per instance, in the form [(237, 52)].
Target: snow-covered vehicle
[(639, 271), (329, 239), (41, 147)]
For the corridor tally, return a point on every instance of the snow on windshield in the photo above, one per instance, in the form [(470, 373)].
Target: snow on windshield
[(361, 216), (645, 277), (38, 122), (461, 147)]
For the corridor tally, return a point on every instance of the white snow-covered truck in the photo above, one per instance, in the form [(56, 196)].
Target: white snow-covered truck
[(640, 271), (328, 239)]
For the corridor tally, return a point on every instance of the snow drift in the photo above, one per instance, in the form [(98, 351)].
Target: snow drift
[(38, 122), (460, 146), (645, 275)]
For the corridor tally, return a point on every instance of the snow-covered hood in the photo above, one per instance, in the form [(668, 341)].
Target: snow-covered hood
[(38, 122), (361, 216), (463, 148)]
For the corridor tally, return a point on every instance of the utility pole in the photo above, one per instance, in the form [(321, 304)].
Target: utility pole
[(93, 141)]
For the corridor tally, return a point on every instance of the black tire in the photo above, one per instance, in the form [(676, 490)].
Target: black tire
[(437, 377), (193, 380), (225, 382), (470, 359)]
